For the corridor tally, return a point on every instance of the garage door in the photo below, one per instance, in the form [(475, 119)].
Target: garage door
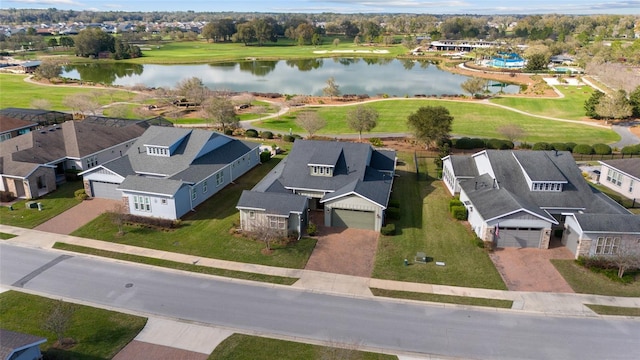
[(353, 219), (519, 237), (105, 190)]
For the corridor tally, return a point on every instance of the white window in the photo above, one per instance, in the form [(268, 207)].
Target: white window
[(92, 161), (252, 214), (276, 222), (219, 178), (163, 201), (142, 203), (607, 245), (614, 177), (204, 187), (194, 193)]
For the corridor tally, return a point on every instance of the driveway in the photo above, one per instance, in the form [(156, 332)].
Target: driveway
[(77, 216), (344, 251), (530, 269)]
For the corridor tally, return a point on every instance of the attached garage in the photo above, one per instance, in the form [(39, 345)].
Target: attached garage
[(518, 237), (105, 190), (353, 219)]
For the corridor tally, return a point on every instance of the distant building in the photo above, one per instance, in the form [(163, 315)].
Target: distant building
[(19, 346)]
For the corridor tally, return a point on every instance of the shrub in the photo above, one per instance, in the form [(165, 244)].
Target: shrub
[(376, 142), (288, 138), (571, 145), (251, 133), (454, 202), (602, 149), (525, 146), (631, 150), (228, 132), (388, 230), (266, 135), (6, 196), (542, 146), (265, 156), (393, 213), (469, 143), (311, 229), (488, 245), (153, 222), (560, 146), (459, 212), (80, 194), (499, 144), (583, 149)]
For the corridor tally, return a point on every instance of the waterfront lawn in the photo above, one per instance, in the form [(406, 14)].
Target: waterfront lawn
[(53, 204), (246, 347), (571, 106), (586, 281), (100, 334), (471, 119), (207, 232), (425, 225), (18, 93)]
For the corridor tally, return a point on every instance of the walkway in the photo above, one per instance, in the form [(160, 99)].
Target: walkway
[(77, 216)]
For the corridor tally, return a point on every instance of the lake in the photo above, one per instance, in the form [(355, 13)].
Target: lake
[(359, 76)]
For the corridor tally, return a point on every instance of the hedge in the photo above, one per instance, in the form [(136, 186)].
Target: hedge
[(583, 149), (459, 212), (453, 203), (602, 149), (388, 230), (266, 135), (542, 146), (265, 156)]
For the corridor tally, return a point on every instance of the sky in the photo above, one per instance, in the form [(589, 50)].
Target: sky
[(480, 7)]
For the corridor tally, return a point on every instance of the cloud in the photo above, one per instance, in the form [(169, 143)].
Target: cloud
[(49, 2), (584, 7)]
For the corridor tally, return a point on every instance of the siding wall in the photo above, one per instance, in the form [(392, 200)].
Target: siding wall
[(623, 189)]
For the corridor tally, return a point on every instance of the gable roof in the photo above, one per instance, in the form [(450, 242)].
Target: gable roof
[(627, 223), (12, 342), (272, 203), (8, 124), (463, 165), (630, 167)]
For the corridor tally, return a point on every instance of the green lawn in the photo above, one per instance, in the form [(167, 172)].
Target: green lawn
[(245, 347), (54, 203), (586, 281), (207, 231), (5, 236), (100, 334), (449, 299), (425, 225), (471, 119), (614, 310), (177, 265), (18, 93), (570, 107)]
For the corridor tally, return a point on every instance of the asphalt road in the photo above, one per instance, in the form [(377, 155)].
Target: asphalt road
[(276, 310)]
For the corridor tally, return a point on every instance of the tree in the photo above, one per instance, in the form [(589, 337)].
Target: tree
[(220, 111), (591, 103), (626, 257), (67, 41), (263, 230), (336, 42), (92, 41), (59, 319), (634, 101), (512, 132), (81, 104), (430, 124), (118, 215), (310, 121), (474, 85), (52, 42), (362, 118), (49, 69), (537, 62), (192, 89), (332, 89), (615, 106), (40, 103)]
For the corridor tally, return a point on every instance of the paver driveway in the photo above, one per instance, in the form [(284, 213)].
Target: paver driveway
[(530, 269), (77, 216)]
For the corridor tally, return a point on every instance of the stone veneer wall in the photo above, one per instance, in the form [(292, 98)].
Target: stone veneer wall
[(584, 245)]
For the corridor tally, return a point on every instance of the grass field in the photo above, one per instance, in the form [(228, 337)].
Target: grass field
[(100, 334), (471, 119), (18, 93), (425, 225), (585, 281), (570, 107), (53, 204), (448, 299), (207, 231), (614, 310), (245, 347)]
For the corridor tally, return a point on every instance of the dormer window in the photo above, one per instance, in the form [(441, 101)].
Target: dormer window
[(546, 186), (157, 151), (321, 170)]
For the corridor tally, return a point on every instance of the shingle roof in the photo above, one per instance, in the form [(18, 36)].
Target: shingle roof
[(151, 185), (627, 166), (10, 124), (272, 203), (463, 165), (538, 166), (627, 223), (11, 341)]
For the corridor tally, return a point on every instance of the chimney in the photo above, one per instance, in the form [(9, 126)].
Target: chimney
[(476, 186)]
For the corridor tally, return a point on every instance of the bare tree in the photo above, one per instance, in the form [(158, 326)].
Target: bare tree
[(512, 132), (192, 89), (119, 111), (40, 103), (49, 69), (310, 121), (362, 118), (332, 89), (220, 111), (118, 216), (626, 257), (81, 103), (267, 231), (59, 319)]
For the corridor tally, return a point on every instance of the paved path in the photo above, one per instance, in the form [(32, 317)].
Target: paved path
[(77, 216)]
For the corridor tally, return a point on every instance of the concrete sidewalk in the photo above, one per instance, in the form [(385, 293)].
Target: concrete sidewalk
[(547, 303)]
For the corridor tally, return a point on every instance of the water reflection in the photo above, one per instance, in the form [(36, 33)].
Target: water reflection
[(371, 76)]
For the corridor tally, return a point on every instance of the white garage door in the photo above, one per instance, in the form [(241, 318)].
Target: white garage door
[(519, 237), (105, 190), (353, 219)]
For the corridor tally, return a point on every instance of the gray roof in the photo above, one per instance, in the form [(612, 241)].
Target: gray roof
[(272, 203), (627, 166), (151, 185), (463, 165), (356, 162), (627, 223), (512, 192), (11, 341), (167, 138)]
